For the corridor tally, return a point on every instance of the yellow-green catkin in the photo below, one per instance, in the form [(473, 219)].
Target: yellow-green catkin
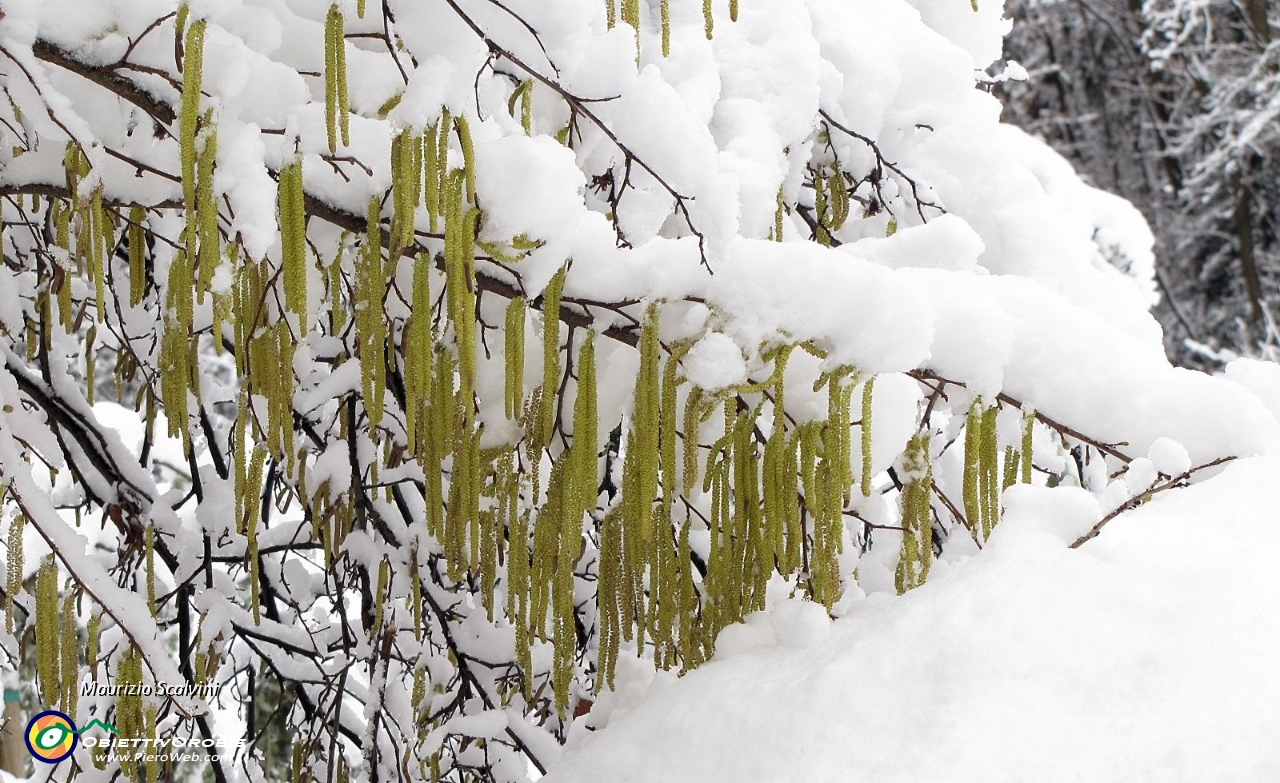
[(550, 359), (152, 760), (631, 16), (989, 474), (838, 435), (48, 639), (137, 255), (577, 496), (175, 373), (585, 428), (608, 597), (664, 12), (101, 240), (460, 288), (917, 519), (822, 229), (293, 239), (91, 335), (370, 284), (406, 188), (733, 10), (13, 581), (337, 312), (70, 653), (1011, 463), (254, 484), (690, 425), (180, 21), (708, 19), (972, 459), (419, 350), (432, 158), (838, 190), (1028, 428), (668, 604), (149, 549), (514, 355), (611, 13), (778, 216), (335, 80), (643, 443), (522, 97), (379, 597), (868, 390), (210, 253), (463, 129), (188, 120), (129, 720)]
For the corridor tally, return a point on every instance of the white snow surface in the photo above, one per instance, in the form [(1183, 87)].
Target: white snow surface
[(1146, 655)]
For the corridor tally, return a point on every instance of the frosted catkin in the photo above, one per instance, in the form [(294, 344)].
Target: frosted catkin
[(916, 554), (821, 232)]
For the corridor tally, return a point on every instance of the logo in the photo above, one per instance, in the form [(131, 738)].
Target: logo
[(51, 737)]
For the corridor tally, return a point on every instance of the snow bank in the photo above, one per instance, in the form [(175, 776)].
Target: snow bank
[(1148, 655)]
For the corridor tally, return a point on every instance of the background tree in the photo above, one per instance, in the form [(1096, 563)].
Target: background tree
[(1172, 105)]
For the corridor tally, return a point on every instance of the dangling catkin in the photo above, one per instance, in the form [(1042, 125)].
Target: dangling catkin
[(48, 658)]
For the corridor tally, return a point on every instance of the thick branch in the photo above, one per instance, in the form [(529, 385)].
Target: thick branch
[(106, 77)]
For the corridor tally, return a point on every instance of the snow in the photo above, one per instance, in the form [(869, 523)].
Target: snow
[(715, 362), (1136, 657)]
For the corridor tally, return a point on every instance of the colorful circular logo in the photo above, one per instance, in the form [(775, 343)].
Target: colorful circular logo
[(51, 737)]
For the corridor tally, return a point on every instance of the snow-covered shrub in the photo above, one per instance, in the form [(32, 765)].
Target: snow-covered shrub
[(460, 349)]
